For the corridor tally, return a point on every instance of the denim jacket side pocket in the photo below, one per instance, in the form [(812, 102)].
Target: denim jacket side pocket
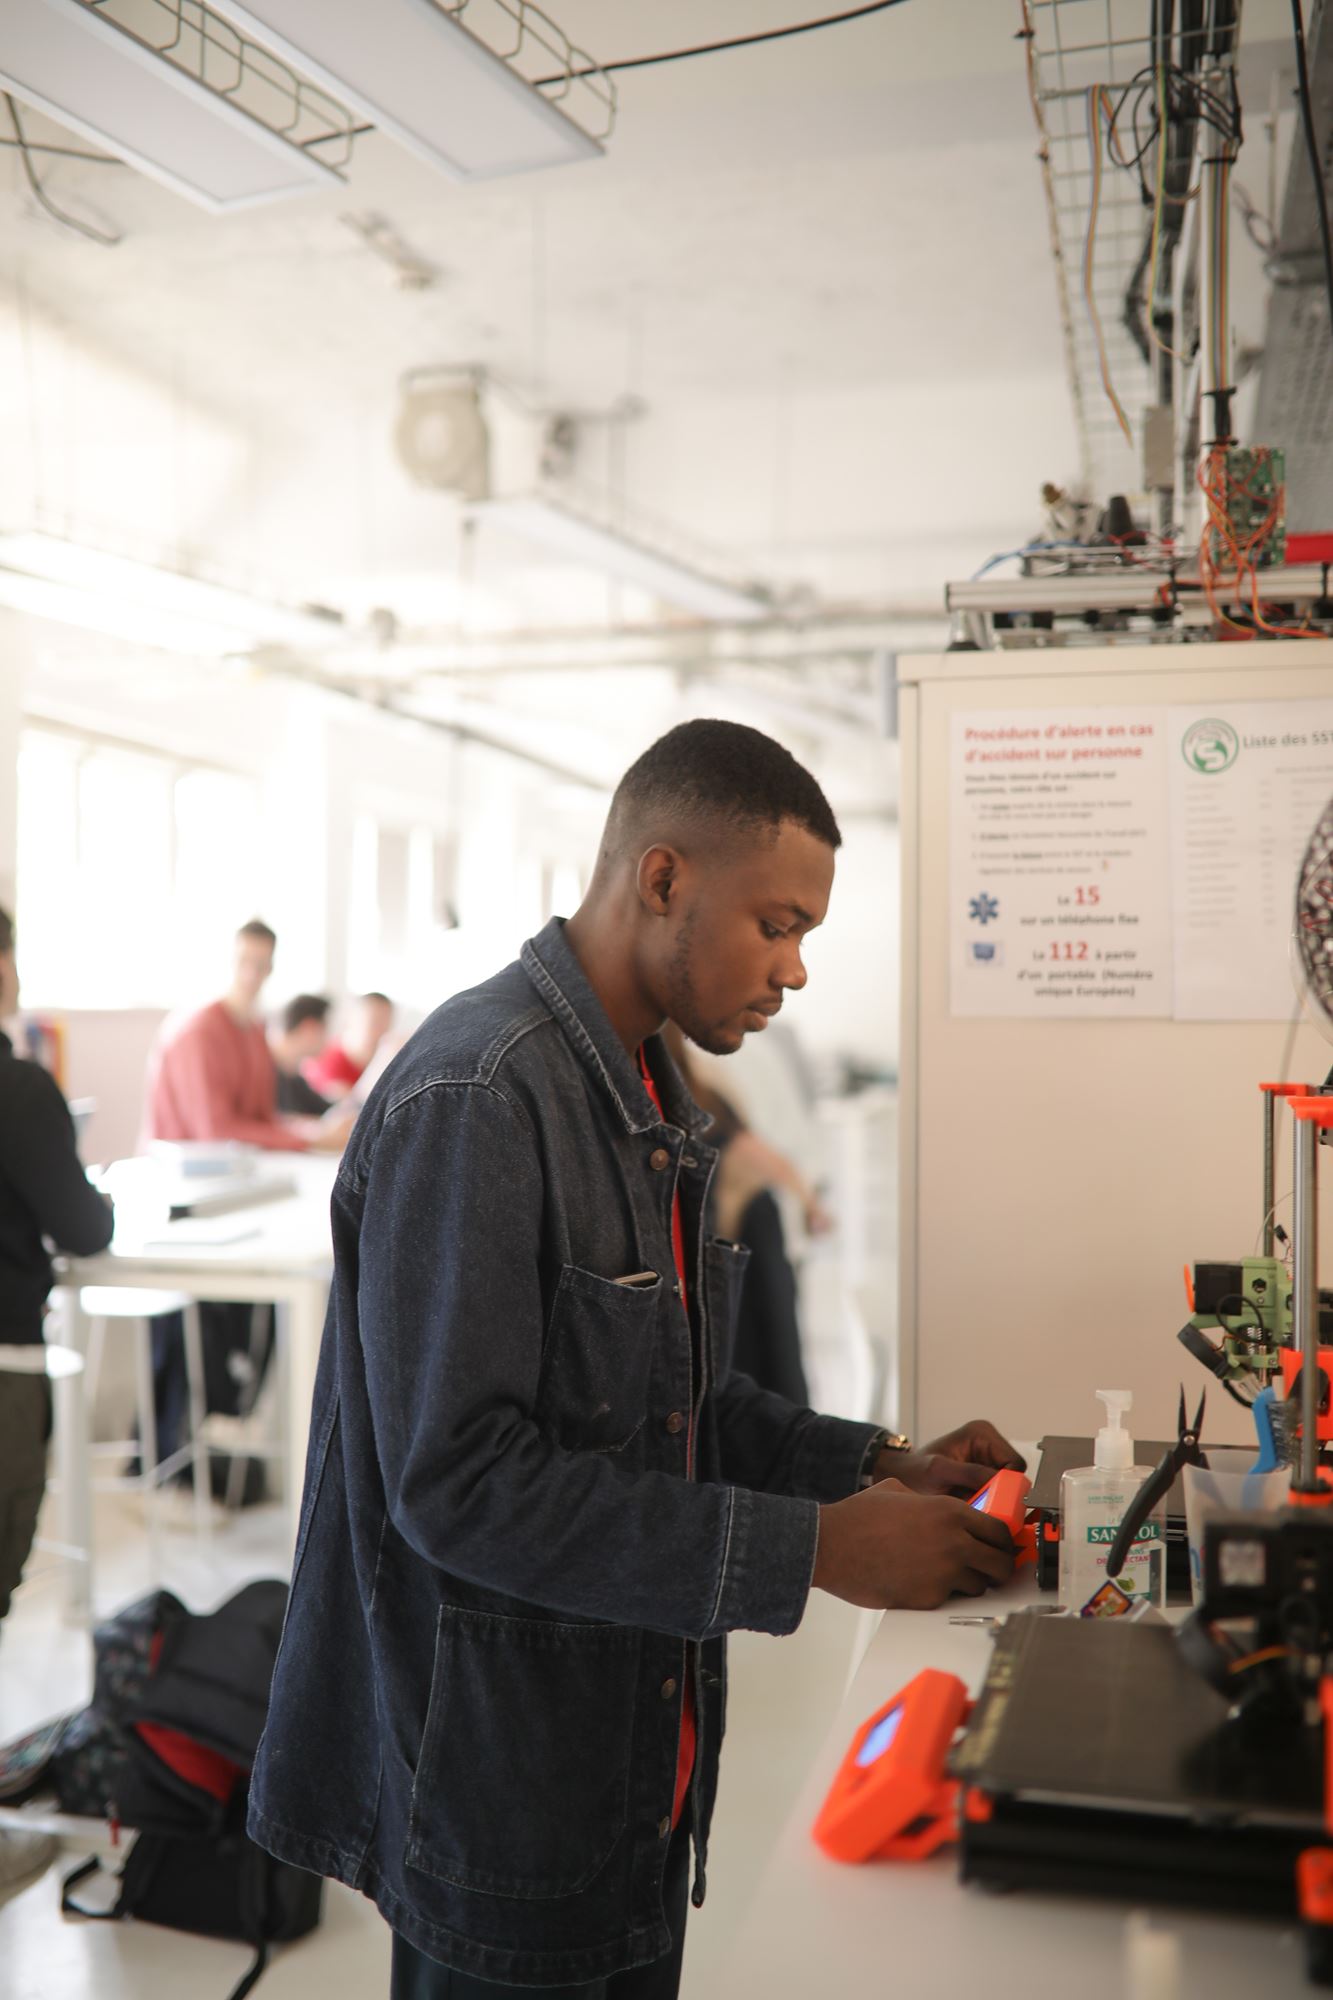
[(522, 1784)]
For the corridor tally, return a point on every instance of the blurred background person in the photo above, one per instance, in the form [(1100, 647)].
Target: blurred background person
[(745, 1210), (213, 1076), (345, 1060), (299, 1035), (45, 1197)]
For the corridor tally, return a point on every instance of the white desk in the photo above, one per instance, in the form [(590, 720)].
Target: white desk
[(285, 1259), (911, 1929)]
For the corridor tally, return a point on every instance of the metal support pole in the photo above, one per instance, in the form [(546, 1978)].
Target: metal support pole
[(1305, 1296), (1215, 343), (1270, 1172)]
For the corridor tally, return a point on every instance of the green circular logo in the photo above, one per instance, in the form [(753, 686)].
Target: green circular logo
[(1210, 746)]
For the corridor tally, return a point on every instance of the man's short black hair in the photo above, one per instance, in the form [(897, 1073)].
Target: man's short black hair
[(257, 928), (721, 772), (305, 1007), (6, 933)]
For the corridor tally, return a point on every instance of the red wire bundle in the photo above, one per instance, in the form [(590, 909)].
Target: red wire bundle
[(1229, 568)]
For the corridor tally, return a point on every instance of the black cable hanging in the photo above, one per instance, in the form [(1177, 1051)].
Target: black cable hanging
[(1312, 148), (713, 48)]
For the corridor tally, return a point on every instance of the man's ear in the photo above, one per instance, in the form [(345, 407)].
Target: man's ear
[(656, 878)]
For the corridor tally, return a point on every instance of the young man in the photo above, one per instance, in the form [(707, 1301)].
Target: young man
[(44, 1196), (297, 1037), (212, 1076), (537, 1496), (343, 1062)]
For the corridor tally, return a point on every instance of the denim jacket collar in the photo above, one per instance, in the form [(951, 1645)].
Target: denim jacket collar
[(551, 965)]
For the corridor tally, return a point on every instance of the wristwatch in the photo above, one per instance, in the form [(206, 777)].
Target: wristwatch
[(882, 1441)]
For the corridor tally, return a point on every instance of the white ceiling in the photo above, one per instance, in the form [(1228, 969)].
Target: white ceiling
[(851, 211), (822, 265)]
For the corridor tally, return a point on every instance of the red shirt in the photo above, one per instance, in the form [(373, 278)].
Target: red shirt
[(213, 1078), (334, 1066), (688, 1726)]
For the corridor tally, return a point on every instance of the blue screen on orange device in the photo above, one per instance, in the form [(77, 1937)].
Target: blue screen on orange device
[(880, 1737)]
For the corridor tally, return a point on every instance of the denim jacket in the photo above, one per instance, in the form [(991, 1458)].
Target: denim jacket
[(503, 1571)]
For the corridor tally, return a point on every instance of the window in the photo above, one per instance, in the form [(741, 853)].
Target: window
[(125, 861), (402, 910)]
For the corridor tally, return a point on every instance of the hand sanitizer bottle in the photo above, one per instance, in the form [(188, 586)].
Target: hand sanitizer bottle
[(1094, 1500)]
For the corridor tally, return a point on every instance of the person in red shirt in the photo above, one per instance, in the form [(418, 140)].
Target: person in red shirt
[(213, 1076), (340, 1066)]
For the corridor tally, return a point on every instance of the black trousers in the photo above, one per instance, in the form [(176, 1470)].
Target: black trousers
[(232, 1380), (416, 1977), (25, 1426)]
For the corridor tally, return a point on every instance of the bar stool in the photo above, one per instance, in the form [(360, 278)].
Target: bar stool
[(69, 1439), (107, 1305)]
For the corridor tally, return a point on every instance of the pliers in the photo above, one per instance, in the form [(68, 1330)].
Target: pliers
[(1185, 1451)]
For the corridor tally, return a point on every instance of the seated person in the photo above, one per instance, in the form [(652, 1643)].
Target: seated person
[(344, 1061), (298, 1036), (212, 1075)]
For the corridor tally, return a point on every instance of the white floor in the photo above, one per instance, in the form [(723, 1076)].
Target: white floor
[(783, 1694)]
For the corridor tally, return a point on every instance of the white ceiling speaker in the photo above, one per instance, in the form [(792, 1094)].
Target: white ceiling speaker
[(442, 440)]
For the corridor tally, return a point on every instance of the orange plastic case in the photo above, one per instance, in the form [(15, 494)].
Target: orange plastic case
[(1291, 1370), (1005, 1498), (891, 1798)]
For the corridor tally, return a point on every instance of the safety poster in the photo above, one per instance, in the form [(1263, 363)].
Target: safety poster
[(1116, 862)]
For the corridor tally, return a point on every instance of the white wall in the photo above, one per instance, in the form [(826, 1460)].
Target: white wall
[(850, 1006), (12, 657), (106, 1059)]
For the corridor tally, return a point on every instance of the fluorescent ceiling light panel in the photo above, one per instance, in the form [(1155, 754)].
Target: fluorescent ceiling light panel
[(76, 585), (136, 623), (417, 74), (594, 547), (99, 81)]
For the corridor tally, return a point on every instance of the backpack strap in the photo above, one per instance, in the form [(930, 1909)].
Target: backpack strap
[(138, 1871), (67, 1906), (253, 1976), (247, 1983)]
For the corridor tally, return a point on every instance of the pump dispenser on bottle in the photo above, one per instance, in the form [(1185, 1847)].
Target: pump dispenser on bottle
[(1094, 1499)]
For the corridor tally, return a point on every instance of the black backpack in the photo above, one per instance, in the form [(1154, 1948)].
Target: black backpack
[(183, 1703)]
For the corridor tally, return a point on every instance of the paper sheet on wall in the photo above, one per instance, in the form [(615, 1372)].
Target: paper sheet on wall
[(1248, 781), (1058, 880)]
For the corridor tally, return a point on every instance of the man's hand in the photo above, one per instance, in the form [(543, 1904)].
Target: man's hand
[(960, 1462), (891, 1550)]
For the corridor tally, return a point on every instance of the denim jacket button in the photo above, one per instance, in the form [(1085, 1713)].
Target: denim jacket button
[(664, 1826), (659, 1160), (669, 1690), (675, 1423)]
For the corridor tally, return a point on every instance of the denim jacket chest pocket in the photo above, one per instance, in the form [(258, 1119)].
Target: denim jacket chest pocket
[(724, 1274), (600, 1343)]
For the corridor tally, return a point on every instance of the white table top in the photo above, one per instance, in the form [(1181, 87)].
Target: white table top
[(911, 1929), (289, 1236)]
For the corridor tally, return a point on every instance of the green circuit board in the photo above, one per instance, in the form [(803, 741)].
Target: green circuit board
[(1256, 488)]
